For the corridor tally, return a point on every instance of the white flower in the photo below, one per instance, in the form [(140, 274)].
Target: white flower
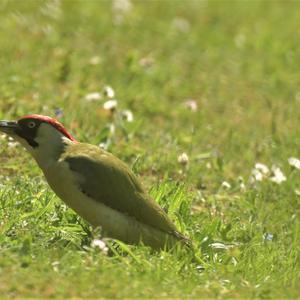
[(110, 104), (183, 158), (24, 223), (208, 165), (93, 96), (268, 236), (104, 145), (112, 129), (45, 108), (256, 175), (108, 92), (100, 245), (95, 60), (127, 115), (278, 177), (226, 185), (242, 184), (259, 173), (55, 265), (191, 104), (12, 143), (122, 6), (297, 192), (294, 162), (262, 168)]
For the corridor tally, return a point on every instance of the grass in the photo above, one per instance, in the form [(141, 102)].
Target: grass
[(239, 61)]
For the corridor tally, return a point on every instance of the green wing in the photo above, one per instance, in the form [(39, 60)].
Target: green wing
[(108, 180)]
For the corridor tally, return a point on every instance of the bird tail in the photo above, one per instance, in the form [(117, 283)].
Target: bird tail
[(183, 239)]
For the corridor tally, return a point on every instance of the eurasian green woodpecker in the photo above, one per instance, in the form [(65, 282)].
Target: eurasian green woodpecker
[(94, 183)]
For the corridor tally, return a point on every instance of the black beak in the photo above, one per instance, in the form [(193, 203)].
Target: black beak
[(9, 127)]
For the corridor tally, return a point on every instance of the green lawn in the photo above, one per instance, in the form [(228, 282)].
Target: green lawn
[(237, 63)]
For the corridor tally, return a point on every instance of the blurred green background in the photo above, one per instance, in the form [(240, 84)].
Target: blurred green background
[(217, 80)]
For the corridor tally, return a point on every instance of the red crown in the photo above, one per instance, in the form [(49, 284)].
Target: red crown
[(53, 122)]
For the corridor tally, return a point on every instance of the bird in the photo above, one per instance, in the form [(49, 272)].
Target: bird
[(97, 185)]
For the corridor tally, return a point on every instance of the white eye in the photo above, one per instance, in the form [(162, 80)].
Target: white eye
[(31, 124)]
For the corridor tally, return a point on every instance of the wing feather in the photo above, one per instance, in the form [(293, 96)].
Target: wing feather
[(108, 180)]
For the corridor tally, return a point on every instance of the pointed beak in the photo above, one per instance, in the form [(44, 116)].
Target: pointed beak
[(9, 127)]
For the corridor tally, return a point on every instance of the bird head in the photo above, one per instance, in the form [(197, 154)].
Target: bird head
[(43, 137)]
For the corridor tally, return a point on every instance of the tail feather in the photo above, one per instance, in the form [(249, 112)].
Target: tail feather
[(182, 238)]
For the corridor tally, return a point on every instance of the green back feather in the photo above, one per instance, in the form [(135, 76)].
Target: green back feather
[(106, 179)]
